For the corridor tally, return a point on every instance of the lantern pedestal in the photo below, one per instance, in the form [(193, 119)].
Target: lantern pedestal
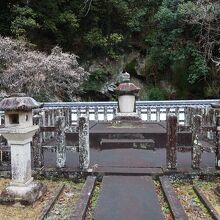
[(22, 187), (19, 131)]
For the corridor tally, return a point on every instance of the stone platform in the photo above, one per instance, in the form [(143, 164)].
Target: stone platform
[(155, 131)]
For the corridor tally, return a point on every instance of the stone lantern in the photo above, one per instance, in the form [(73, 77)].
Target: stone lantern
[(127, 93), (18, 131)]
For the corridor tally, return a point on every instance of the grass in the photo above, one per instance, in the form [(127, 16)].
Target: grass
[(64, 206), (207, 187), (189, 200), (163, 203), (93, 202)]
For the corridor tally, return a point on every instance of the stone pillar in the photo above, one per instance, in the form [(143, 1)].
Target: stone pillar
[(87, 112), (158, 114), (114, 111), (105, 114), (139, 112), (197, 150), (37, 143), (148, 114), (70, 116), (171, 141), (78, 113), (84, 151), (61, 148), (187, 116), (21, 164), (96, 114), (218, 142)]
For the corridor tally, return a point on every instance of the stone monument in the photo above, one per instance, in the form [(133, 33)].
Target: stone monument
[(18, 131), (127, 93)]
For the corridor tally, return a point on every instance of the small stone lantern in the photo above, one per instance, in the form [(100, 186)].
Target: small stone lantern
[(127, 93), (18, 131)]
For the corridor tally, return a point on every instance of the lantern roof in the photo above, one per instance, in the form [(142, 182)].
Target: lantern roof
[(127, 88), (18, 102)]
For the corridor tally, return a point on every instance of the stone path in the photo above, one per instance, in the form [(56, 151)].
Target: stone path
[(128, 198)]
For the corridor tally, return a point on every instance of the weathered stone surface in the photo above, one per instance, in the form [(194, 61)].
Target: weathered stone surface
[(25, 195), (218, 142), (61, 148), (197, 148), (18, 131), (37, 143), (18, 104), (171, 141), (84, 153)]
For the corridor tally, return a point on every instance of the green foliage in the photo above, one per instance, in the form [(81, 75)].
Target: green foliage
[(172, 43), (198, 67), (167, 32), (155, 93), (92, 87), (25, 21), (96, 40), (68, 18)]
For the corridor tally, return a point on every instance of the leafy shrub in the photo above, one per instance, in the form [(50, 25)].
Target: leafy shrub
[(155, 93)]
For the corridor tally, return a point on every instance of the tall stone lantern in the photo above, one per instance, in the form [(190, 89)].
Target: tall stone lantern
[(127, 93), (18, 131)]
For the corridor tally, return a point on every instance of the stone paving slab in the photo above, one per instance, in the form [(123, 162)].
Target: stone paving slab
[(130, 158), (128, 198)]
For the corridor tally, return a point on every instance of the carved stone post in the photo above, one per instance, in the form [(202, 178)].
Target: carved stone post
[(196, 151), (148, 114), (77, 114), (87, 112), (139, 112), (37, 142), (158, 114), (218, 142), (61, 149), (171, 141), (105, 114), (70, 116), (84, 153), (177, 114), (96, 114), (114, 111)]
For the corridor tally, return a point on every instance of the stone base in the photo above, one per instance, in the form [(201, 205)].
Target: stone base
[(25, 195), (133, 116)]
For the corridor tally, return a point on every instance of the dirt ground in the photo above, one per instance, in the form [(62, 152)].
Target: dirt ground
[(65, 204), (190, 201), (62, 209)]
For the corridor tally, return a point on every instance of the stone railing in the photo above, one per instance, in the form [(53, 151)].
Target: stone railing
[(184, 111), (148, 110), (104, 111)]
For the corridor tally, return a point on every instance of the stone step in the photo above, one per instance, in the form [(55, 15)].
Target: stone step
[(147, 144)]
